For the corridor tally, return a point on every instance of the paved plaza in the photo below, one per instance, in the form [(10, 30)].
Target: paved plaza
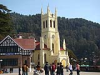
[(65, 73)]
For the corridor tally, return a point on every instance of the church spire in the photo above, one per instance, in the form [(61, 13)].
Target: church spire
[(41, 11), (55, 12), (48, 9), (64, 45)]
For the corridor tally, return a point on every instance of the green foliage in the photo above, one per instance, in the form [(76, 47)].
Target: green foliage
[(5, 21), (82, 36), (27, 24), (71, 54)]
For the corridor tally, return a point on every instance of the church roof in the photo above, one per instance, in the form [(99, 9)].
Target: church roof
[(26, 44), (38, 46), (61, 48)]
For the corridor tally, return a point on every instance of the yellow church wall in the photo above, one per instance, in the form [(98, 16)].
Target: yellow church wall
[(50, 58), (35, 56), (62, 52), (51, 29), (53, 59), (44, 18)]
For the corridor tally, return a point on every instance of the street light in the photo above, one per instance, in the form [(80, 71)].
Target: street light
[(0, 63), (1, 60)]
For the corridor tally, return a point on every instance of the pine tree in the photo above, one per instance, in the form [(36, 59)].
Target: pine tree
[(5, 21)]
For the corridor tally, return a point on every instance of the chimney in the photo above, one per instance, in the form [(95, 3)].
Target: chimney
[(20, 37)]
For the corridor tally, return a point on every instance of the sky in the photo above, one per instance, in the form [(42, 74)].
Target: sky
[(87, 9)]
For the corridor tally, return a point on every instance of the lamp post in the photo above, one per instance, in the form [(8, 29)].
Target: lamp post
[(0, 63), (81, 61)]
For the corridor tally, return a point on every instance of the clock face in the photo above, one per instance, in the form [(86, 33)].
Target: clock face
[(53, 36), (45, 36)]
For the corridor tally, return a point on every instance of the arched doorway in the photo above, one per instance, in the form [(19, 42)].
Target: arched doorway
[(64, 62)]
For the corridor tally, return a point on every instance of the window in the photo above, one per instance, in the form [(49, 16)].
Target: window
[(45, 36), (9, 62), (45, 58), (53, 47), (38, 57), (54, 24), (53, 36), (43, 24), (8, 49), (50, 23), (46, 23)]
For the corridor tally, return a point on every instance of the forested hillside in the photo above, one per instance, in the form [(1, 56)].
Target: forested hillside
[(82, 36)]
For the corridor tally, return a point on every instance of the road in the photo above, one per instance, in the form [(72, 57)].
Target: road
[(65, 73)]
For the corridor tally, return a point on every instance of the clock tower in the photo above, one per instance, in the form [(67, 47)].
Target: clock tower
[(49, 31)]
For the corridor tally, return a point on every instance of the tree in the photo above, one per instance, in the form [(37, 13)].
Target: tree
[(72, 57), (5, 21), (71, 54)]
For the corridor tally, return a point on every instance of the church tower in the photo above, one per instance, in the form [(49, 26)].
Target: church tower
[(49, 31), (50, 41)]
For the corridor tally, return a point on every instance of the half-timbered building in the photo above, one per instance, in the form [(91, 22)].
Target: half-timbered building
[(15, 52)]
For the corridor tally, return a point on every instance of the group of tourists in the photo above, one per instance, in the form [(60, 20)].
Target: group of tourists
[(77, 68), (58, 70), (51, 68)]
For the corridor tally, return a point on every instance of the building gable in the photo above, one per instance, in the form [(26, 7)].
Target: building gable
[(8, 41)]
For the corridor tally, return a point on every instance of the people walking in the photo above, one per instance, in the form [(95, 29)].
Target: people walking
[(46, 68), (25, 69), (71, 69), (66, 68), (78, 68), (50, 68), (53, 68), (61, 69), (38, 68), (58, 69)]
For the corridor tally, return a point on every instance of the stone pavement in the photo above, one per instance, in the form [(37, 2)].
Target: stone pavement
[(65, 73)]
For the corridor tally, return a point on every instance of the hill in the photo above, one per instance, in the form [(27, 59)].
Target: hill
[(82, 36)]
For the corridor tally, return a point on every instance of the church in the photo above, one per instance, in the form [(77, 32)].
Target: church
[(48, 49)]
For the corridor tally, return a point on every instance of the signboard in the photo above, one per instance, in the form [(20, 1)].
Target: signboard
[(9, 53)]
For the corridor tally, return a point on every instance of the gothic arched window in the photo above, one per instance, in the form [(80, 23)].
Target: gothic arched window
[(43, 24), (46, 23), (53, 47), (54, 24), (38, 57), (50, 23), (45, 58)]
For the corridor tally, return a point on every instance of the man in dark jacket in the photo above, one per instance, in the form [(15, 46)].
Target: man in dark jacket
[(61, 69), (58, 69), (46, 68)]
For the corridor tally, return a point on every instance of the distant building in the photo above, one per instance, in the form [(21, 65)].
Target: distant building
[(16, 52), (48, 49)]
